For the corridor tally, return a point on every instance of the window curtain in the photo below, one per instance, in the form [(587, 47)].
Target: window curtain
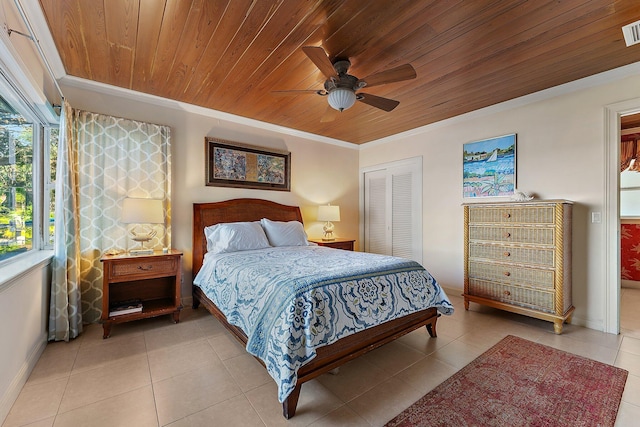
[(629, 155), (65, 315), (115, 158)]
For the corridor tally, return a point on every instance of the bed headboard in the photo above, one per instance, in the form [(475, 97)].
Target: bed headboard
[(236, 210)]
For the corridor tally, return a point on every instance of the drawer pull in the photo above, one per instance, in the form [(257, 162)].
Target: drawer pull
[(506, 254), (507, 234), (506, 215), (506, 273), (145, 268), (507, 293)]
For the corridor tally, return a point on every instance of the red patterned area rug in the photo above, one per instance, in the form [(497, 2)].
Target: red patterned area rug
[(520, 383)]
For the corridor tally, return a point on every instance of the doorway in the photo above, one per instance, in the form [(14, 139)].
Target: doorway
[(611, 212), (629, 212)]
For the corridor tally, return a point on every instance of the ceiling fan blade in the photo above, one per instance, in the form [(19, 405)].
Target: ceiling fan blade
[(397, 74), (329, 115), (320, 58), (294, 92), (385, 104)]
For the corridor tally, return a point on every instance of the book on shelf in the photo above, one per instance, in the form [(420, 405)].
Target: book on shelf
[(126, 307)]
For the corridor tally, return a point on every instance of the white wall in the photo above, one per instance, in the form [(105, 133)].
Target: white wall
[(560, 155), (320, 172), (23, 328)]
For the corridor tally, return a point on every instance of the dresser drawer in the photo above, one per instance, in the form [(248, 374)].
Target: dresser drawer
[(512, 215), (143, 267), (526, 235), (522, 255), (511, 274), (521, 296)]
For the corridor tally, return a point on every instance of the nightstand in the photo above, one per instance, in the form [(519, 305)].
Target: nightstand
[(345, 244), (150, 280)]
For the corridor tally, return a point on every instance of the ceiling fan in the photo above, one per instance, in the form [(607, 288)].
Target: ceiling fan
[(341, 87)]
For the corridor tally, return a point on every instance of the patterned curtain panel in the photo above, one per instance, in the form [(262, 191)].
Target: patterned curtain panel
[(65, 316), (116, 158)]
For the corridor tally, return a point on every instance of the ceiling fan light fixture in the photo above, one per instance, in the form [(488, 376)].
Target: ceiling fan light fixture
[(342, 98)]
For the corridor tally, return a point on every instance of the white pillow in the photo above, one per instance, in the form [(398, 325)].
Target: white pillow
[(284, 233), (235, 236)]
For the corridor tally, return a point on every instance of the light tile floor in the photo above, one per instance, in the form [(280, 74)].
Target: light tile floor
[(156, 373)]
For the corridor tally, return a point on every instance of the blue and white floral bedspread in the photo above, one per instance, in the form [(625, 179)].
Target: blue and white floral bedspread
[(291, 300)]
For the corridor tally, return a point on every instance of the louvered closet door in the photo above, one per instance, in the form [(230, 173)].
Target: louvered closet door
[(392, 209), (375, 213)]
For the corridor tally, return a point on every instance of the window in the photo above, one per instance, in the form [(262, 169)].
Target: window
[(24, 176), (50, 158), (630, 194)]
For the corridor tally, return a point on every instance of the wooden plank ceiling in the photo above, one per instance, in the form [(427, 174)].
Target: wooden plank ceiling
[(229, 55)]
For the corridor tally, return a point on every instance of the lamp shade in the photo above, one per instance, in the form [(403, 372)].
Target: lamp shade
[(328, 213), (142, 211), (342, 98)]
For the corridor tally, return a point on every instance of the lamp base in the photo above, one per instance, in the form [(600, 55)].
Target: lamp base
[(328, 232)]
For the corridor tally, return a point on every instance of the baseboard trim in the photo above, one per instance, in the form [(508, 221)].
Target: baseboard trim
[(633, 284), (13, 391)]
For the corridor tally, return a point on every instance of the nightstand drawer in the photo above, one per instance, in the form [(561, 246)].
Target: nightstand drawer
[(347, 246), (143, 267), (344, 244)]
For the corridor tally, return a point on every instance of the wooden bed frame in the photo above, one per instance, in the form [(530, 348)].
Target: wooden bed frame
[(328, 357)]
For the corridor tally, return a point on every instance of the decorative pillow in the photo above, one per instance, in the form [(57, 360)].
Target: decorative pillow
[(284, 233), (235, 236)]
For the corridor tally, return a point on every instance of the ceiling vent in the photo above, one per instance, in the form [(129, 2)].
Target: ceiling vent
[(631, 33)]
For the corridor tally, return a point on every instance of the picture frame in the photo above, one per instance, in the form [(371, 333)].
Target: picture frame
[(489, 167), (232, 164)]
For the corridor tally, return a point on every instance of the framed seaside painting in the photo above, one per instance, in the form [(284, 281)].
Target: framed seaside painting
[(489, 167), (229, 164)]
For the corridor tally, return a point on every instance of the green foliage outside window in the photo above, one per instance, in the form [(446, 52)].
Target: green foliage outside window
[(16, 183)]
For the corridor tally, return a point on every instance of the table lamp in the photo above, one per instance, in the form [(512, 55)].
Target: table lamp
[(328, 213), (143, 213)]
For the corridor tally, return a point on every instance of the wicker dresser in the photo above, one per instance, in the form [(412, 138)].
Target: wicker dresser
[(518, 258)]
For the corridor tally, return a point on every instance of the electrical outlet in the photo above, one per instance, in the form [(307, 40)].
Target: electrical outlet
[(596, 217)]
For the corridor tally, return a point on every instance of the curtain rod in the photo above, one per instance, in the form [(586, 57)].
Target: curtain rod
[(33, 38)]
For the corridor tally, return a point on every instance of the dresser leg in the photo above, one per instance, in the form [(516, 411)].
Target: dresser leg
[(466, 304), (557, 326)]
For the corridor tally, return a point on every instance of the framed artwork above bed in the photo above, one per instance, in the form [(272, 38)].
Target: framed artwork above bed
[(230, 164)]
